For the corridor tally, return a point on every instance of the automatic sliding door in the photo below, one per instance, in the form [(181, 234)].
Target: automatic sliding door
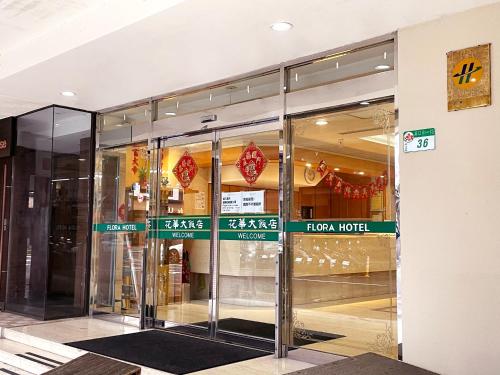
[(182, 229), (248, 232)]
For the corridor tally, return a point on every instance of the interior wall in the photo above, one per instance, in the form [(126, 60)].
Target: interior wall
[(449, 202)]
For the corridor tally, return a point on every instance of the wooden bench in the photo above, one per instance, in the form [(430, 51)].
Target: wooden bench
[(93, 364)]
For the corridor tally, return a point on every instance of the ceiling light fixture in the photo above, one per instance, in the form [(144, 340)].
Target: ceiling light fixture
[(119, 125), (170, 113), (81, 159), (321, 122), (382, 67), (67, 93), (281, 26), (365, 103), (336, 169), (308, 165), (361, 173)]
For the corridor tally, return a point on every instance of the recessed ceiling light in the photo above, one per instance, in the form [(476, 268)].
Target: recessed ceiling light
[(321, 122), (361, 173), (281, 26), (119, 125), (67, 93), (382, 67), (169, 113), (365, 103), (336, 169), (308, 165), (81, 159)]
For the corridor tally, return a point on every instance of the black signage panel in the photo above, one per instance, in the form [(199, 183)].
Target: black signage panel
[(7, 136)]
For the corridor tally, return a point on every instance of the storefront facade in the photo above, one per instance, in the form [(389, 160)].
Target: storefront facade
[(261, 211)]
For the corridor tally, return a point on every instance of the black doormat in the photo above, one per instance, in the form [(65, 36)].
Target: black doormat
[(168, 351), (264, 330)]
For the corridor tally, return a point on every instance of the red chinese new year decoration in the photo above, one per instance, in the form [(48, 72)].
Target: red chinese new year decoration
[(351, 191), (135, 160), (185, 170), (251, 163)]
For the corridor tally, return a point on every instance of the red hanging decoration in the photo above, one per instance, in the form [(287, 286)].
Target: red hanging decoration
[(347, 190), (356, 192), (185, 170), (322, 168), (251, 163), (337, 189), (330, 179), (364, 192)]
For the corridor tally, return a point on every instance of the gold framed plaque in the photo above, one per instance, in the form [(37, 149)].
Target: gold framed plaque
[(469, 78)]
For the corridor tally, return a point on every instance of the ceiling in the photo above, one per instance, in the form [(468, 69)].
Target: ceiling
[(111, 52)]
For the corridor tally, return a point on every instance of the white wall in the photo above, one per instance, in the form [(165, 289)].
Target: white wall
[(450, 204)]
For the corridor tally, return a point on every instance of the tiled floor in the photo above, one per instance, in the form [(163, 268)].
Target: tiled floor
[(86, 328), (8, 320)]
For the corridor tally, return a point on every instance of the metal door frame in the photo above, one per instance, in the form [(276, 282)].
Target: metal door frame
[(216, 136)]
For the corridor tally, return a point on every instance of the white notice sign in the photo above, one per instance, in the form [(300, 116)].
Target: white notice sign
[(199, 200), (243, 202), (252, 202), (231, 203)]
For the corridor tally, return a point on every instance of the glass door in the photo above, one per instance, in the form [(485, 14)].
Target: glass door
[(181, 227), (248, 209), (119, 239), (342, 233)]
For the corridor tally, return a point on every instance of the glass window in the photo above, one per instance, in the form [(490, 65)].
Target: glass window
[(124, 126), (344, 284), (236, 92), (343, 66)]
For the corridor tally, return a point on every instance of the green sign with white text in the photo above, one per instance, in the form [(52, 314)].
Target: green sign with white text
[(120, 227), (341, 227), (181, 227), (249, 228)]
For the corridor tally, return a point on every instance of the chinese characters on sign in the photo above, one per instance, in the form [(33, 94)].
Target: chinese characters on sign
[(244, 202), (185, 170), (251, 163), (249, 228), (419, 140), (181, 227)]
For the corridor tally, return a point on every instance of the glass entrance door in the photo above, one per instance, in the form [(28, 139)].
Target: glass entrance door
[(248, 231), (119, 240), (182, 229), (216, 233)]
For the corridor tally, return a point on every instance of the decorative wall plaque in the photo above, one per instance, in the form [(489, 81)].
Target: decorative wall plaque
[(185, 170), (251, 163), (469, 78)]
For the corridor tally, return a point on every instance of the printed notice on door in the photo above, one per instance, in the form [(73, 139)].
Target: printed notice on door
[(243, 202)]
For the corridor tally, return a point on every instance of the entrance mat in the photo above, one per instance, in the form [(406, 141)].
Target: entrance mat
[(234, 338), (168, 351), (265, 330), (365, 364)]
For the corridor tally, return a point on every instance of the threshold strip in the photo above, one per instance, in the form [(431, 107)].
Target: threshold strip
[(220, 342)]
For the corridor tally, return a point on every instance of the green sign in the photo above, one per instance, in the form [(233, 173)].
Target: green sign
[(249, 228), (419, 140), (120, 227), (341, 227), (181, 227)]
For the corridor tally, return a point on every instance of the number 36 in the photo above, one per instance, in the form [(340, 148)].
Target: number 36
[(423, 143)]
